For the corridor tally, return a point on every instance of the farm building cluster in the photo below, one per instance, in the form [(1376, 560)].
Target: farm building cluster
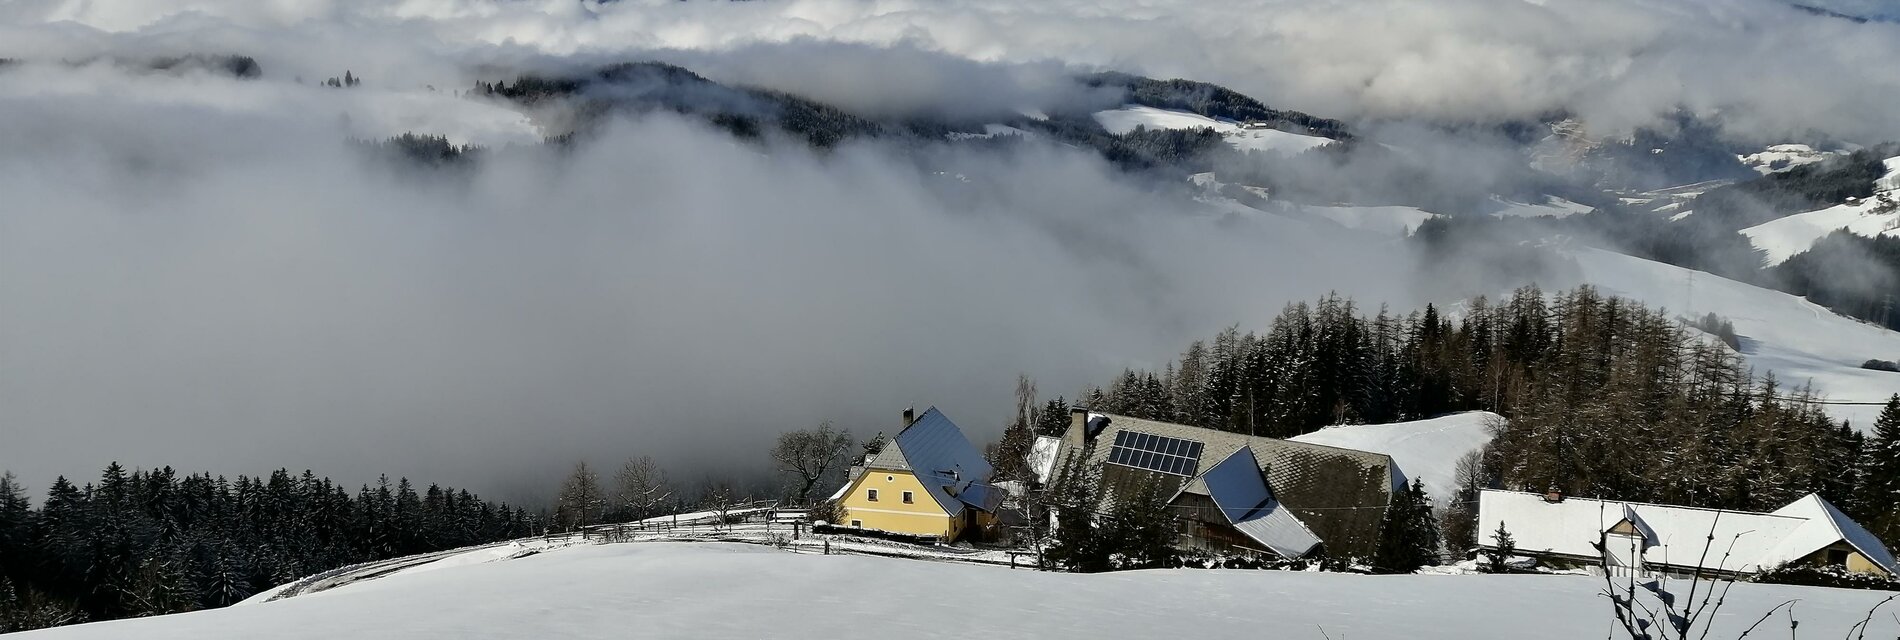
[(1237, 494)]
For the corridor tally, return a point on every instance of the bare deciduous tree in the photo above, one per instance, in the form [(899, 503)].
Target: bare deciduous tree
[(641, 488), (811, 455), (721, 498), (1009, 455), (581, 501), (1460, 519)]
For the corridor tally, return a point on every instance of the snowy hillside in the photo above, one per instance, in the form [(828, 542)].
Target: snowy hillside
[(1125, 119), (1426, 449), (1552, 207), (690, 590), (1672, 202), (1783, 238), (1397, 221), (1782, 157), (1798, 340)]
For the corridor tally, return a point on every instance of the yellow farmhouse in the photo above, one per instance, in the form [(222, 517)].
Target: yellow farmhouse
[(928, 481)]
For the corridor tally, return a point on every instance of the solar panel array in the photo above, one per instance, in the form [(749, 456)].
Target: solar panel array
[(1156, 453)]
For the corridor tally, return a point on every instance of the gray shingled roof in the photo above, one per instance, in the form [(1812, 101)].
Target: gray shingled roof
[(890, 458), (1340, 494)]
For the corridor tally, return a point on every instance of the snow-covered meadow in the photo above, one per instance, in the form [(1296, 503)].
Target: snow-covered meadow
[(709, 590), (1241, 138), (1426, 450)]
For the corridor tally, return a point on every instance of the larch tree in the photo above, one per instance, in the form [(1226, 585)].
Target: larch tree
[(581, 500)]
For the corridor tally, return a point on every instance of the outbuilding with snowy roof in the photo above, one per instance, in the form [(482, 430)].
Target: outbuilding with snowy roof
[(1642, 538)]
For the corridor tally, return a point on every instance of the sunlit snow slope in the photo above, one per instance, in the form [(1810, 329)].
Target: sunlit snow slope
[(1125, 119), (1784, 237), (682, 590), (1427, 450), (1798, 340), (1390, 220)]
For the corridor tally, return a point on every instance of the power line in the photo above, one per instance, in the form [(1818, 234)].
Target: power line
[(1843, 402)]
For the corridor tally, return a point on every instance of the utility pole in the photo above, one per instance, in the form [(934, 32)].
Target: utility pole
[(1250, 413)]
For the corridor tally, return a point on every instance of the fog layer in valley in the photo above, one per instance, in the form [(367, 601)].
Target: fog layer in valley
[(205, 272)]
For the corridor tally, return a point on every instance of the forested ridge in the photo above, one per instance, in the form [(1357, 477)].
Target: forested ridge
[(1804, 188), (1603, 397), (140, 543)]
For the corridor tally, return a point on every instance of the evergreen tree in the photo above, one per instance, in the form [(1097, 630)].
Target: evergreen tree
[(1074, 498), (1880, 473), (1497, 558), (1408, 534), (148, 542), (1053, 419)]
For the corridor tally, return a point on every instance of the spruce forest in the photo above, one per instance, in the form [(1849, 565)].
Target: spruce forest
[(145, 543)]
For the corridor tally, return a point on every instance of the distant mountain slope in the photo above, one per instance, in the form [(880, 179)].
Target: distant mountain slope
[(696, 590), (1804, 188), (1871, 216), (1240, 137), (1215, 101)]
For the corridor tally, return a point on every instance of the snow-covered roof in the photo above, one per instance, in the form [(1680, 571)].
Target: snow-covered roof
[(1042, 457), (1743, 542), (951, 469), (1239, 490), (1825, 526)]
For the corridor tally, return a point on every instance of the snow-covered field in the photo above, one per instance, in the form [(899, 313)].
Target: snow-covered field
[(705, 590), (1125, 119), (1426, 449), (1552, 207), (1798, 340), (1784, 237), (1393, 220), (1782, 157)]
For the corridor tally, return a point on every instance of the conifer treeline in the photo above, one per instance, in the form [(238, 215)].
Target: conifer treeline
[(145, 543), (1604, 397)]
